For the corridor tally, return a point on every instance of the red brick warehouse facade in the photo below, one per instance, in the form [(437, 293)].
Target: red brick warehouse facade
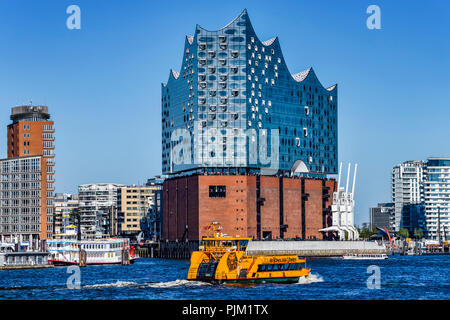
[(247, 205)]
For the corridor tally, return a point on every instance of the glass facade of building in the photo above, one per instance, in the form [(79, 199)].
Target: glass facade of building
[(234, 104)]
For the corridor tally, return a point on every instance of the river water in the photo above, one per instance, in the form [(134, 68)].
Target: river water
[(400, 277)]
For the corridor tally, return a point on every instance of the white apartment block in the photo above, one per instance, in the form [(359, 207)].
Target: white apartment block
[(95, 202), (407, 181), (437, 197), (23, 206)]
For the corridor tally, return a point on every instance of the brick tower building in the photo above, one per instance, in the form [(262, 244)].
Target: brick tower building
[(27, 182)]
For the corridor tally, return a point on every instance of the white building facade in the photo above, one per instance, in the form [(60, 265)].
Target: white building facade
[(437, 198), (96, 204), (407, 189)]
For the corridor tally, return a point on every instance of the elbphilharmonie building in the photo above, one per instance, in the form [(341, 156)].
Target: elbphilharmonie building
[(235, 106)]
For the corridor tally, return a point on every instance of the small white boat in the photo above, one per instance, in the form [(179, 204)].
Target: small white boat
[(6, 247), (365, 256), (91, 252)]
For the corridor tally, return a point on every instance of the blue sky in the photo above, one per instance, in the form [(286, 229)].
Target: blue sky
[(102, 83)]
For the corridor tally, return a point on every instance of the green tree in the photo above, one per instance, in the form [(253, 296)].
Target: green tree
[(404, 233), (365, 232), (418, 233)]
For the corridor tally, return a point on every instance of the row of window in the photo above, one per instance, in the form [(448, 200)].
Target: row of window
[(20, 165), (20, 219), (48, 127), (18, 186), (23, 210), (279, 267), (25, 176), (23, 202), (20, 228)]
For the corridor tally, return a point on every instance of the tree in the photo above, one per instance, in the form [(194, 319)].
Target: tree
[(418, 233), (404, 233), (365, 232)]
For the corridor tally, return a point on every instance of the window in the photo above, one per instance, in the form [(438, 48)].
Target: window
[(217, 191)]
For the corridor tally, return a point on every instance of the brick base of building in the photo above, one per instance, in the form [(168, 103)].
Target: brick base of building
[(260, 207)]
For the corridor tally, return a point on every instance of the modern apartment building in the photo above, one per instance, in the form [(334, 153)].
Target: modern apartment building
[(133, 204), (437, 198), (236, 105), (65, 206), (23, 200), (382, 216), (407, 181), (30, 136), (98, 209)]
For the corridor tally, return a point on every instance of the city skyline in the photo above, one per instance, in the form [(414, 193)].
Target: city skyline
[(116, 117)]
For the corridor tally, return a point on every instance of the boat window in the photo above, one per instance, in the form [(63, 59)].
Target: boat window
[(294, 266), (262, 268), (243, 243), (227, 243)]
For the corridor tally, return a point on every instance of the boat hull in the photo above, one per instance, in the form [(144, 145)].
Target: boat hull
[(72, 263), (264, 280)]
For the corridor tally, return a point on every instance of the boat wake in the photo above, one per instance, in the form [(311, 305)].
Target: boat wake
[(168, 284), (118, 284), (177, 283), (311, 278)]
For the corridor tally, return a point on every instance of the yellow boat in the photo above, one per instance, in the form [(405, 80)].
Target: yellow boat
[(223, 259)]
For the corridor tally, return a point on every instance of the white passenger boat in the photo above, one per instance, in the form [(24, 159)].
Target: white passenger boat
[(365, 256), (92, 252)]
